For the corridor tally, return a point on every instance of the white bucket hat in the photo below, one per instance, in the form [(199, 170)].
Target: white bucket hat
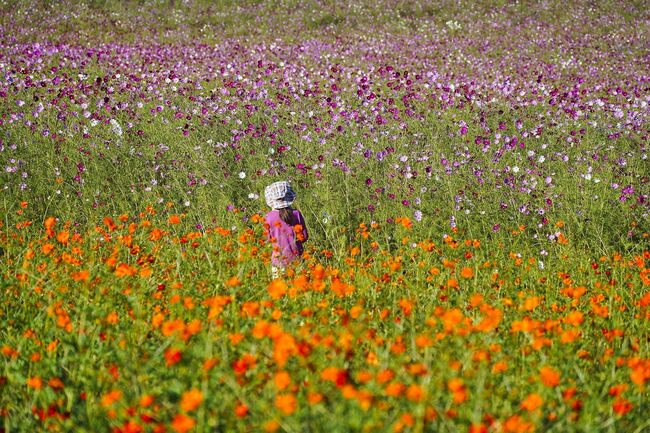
[(279, 195)]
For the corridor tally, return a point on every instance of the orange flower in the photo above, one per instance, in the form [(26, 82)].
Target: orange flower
[(616, 390), (314, 397), (451, 318), (549, 376), (82, 275), (110, 224), (233, 282), (415, 393), (271, 426), (174, 219), (277, 288), (63, 237), (478, 428), (532, 402), (146, 400), (574, 318), (287, 403), (531, 303), (111, 397), (243, 364), (406, 306), (457, 387), (340, 288), (191, 400), (35, 382), (209, 363), (621, 406), (124, 270), (172, 356), (467, 272), (394, 389), (241, 410), (515, 424), (334, 375), (56, 383), (49, 225), (9, 351), (282, 380), (182, 423), (284, 347), (385, 376)]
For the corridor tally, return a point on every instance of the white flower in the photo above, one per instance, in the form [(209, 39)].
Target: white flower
[(515, 169), (242, 175), (253, 196), (187, 203), (116, 128)]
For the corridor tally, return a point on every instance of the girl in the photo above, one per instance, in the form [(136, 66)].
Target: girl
[(286, 226)]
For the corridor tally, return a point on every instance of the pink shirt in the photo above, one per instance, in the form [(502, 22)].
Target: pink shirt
[(287, 244)]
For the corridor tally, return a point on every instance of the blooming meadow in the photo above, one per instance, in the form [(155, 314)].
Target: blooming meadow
[(475, 180)]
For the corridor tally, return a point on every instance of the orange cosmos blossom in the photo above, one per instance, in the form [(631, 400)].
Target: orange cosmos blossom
[(146, 400), (404, 222), (549, 376), (191, 400), (467, 272), (385, 376), (477, 428), (334, 375), (451, 318), (287, 403), (457, 387), (394, 389), (63, 237), (35, 382), (233, 282), (340, 288), (407, 306), (124, 270), (82, 275), (282, 380), (515, 424), (56, 383), (277, 288), (283, 348), (243, 364), (183, 423), (241, 410), (622, 406), (172, 356), (209, 363), (111, 397), (314, 397), (617, 390), (216, 304), (532, 402), (415, 392), (9, 351), (49, 224)]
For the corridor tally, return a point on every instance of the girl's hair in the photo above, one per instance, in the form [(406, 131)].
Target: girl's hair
[(286, 215)]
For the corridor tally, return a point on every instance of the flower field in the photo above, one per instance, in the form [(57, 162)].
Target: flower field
[(474, 177)]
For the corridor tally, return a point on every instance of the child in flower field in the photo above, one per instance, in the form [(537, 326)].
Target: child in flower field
[(286, 226)]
